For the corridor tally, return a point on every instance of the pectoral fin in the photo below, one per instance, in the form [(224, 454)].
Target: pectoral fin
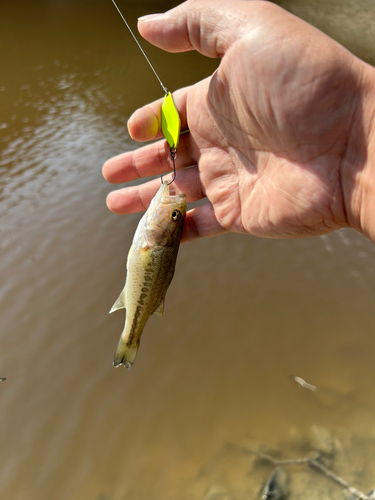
[(127, 260), (120, 302), (160, 308)]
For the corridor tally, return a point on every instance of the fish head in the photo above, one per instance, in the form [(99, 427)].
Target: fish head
[(165, 218)]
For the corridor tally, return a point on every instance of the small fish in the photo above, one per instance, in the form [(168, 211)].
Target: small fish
[(150, 268), (302, 383)]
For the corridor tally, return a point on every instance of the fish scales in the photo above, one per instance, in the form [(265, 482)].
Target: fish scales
[(149, 286), (150, 269)]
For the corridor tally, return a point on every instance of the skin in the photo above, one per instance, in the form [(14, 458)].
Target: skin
[(281, 136)]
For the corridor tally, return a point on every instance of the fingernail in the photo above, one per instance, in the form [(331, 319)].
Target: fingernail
[(150, 17)]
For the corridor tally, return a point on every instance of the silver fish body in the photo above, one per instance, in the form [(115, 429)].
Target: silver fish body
[(150, 269)]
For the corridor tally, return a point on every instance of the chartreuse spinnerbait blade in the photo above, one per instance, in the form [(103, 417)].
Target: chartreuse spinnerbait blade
[(170, 121)]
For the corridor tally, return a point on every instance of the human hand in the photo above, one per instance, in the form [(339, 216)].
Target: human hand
[(277, 135)]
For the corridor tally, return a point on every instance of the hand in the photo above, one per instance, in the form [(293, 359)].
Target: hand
[(277, 135)]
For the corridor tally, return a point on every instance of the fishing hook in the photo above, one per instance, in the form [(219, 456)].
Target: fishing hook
[(173, 152)]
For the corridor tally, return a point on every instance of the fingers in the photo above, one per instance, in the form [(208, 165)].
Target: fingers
[(148, 161), (201, 222), (137, 198), (208, 26), (145, 123)]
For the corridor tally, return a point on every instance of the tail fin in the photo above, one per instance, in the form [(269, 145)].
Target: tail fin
[(125, 353)]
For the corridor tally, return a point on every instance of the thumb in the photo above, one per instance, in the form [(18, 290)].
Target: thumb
[(208, 26)]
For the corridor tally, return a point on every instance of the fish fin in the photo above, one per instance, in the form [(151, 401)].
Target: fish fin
[(125, 354), (127, 260), (120, 302), (160, 309)]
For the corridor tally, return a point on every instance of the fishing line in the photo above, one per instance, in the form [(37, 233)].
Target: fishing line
[(170, 118), (140, 48)]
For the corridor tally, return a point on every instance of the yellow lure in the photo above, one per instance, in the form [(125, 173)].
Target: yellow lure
[(170, 121)]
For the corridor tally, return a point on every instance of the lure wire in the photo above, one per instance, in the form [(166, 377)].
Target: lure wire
[(140, 48)]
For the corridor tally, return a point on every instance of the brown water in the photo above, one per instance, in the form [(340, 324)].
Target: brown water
[(241, 316)]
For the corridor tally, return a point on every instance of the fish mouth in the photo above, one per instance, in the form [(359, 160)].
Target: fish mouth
[(170, 198)]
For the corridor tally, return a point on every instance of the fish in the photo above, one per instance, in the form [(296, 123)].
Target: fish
[(303, 384), (150, 268)]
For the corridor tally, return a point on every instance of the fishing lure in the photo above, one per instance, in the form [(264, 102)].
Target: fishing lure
[(170, 119)]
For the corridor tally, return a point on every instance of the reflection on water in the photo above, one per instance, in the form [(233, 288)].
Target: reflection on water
[(242, 314)]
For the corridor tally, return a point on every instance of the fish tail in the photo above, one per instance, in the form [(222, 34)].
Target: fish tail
[(125, 353)]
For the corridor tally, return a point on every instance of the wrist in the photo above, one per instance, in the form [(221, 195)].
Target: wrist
[(358, 167)]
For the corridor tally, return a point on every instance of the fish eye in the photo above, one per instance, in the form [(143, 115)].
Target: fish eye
[(176, 215)]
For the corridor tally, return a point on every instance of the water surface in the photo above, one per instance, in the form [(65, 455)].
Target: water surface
[(242, 314)]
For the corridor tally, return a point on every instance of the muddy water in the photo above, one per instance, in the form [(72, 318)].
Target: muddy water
[(242, 314)]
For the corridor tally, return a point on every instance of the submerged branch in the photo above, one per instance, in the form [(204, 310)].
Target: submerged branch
[(315, 464)]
